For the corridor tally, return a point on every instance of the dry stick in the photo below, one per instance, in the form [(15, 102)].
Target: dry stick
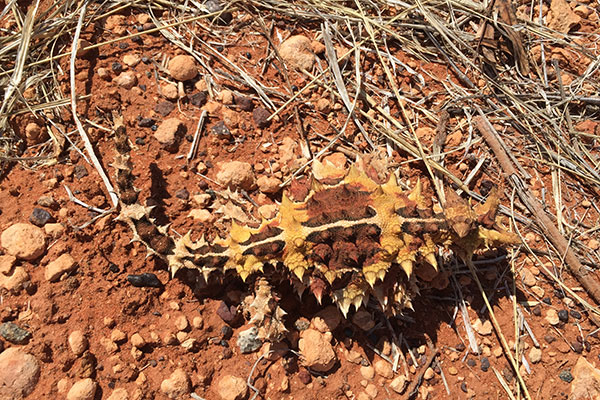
[(86, 140), (535, 207), (496, 325)]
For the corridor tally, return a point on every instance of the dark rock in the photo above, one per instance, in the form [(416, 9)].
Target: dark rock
[(549, 338), (547, 300), (164, 108), (260, 116), (226, 333), (80, 171), (460, 347), (117, 67), (485, 364), (565, 375), (244, 103), (198, 99), (228, 314), (463, 387), (140, 141), (537, 311), (182, 194), (146, 122), (39, 217), (559, 293), (215, 6), (471, 363), (114, 268), (147, 279), (227, 353), (123, 46), (577, 347), (304, 376), (248, 340), (302, 324), (14, 333), (221, 130), (563, 316), (575, 314), (48, 202)]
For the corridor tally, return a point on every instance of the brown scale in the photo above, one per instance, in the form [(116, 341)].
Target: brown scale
[(332, 205)]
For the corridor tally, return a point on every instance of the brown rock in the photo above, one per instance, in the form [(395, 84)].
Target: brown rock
[(236, 175), (586, 382), (14, 280), (137, 340), (7, 262), (297, 52), (201, 215), (24, 241), (34, 134), (169, 91), (126, 80), (119, 394), (19, 373), (177, 386), (561, 17), (268, 184), (367, 372), (330, 316), (316, 350), (54, 230), (383, 369), (169, 132), (535, 355), (552, 317), (399, 384), (261, 115), (183, 68), (84, 389), (268, 211), (131, 60), (232, 388), (364, 320), (62, 265), (528, 277), (483, 328), (116, 24), (78, 343)]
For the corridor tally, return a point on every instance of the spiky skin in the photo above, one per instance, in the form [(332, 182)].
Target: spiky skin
[(350, 238)]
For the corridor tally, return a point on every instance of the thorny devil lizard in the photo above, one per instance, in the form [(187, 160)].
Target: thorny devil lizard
[(349, 239)]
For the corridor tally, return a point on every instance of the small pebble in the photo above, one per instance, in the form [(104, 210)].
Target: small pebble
[(14, 333), (485, 364), (182, 194), (226, 332), (80, 171), (248, 340), (471, 362), (577, 347), (260, 116), (221, 131), (147, 279), (566, 376), (575, 314), (547, 300), (226, 313), (563, 316), (39, 217), (146, 122), (164, 108), (198, 99), (304, 376)]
